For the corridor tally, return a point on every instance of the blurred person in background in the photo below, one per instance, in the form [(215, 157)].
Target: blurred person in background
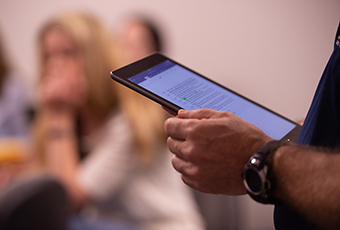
[(14, 103), (14, 121), (104, 142), (140, 37)]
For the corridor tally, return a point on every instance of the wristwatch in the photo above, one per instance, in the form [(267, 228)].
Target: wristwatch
[(257, 173)]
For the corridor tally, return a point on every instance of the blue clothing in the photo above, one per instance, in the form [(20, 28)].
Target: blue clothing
[(14, 105), (79, 223), (321, 128)]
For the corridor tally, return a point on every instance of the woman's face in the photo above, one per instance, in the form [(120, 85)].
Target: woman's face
[(63, 79), (59, 51)]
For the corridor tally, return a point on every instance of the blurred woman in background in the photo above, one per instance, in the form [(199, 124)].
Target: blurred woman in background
[(104, 142), (140, 37)]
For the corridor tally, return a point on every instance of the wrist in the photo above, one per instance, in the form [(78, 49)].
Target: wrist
[(257, 174), (59, 133), (60, 127), (59, 120), (279, 164)]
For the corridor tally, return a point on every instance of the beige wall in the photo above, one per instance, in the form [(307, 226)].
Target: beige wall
[(271, 51)]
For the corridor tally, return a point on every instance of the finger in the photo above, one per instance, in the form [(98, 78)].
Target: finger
[(184, 167), (180, 165), (190, 182), (175, 147), (174, 127), (198, 114)]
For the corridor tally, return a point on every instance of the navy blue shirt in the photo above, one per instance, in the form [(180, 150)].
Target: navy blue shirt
[(321, 128)]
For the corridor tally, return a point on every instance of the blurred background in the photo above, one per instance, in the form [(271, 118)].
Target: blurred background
[(273, 52)]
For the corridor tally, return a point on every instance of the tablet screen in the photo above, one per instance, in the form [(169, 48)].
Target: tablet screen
[(191, 91)]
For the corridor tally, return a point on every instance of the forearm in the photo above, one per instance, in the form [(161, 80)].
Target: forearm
[(61, 154), (308, 181)]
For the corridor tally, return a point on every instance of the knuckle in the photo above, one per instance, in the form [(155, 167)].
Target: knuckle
[(193, 172), (224, 114)]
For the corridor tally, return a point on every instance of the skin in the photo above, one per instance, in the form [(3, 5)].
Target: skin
[(211, 148), (136, 41), (306, 182), (207, 151)]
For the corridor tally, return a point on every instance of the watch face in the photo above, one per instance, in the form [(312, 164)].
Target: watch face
[(253, 180)]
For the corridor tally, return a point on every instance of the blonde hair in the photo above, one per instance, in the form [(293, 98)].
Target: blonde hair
[(100, 56)]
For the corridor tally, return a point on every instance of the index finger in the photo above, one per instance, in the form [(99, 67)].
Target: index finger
[(197, 114)]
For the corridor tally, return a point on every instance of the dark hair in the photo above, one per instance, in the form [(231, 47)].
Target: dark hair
[(155, 35), (154, 31), (3, 67)]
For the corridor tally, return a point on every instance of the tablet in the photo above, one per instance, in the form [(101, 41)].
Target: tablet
[(175, 87)]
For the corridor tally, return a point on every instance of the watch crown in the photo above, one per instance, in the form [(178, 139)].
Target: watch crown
[(254, 161)]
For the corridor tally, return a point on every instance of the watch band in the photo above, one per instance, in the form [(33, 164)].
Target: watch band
[(257, 173)]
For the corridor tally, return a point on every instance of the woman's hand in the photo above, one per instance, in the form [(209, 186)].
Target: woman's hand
[(65, 86), (63, 92)]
